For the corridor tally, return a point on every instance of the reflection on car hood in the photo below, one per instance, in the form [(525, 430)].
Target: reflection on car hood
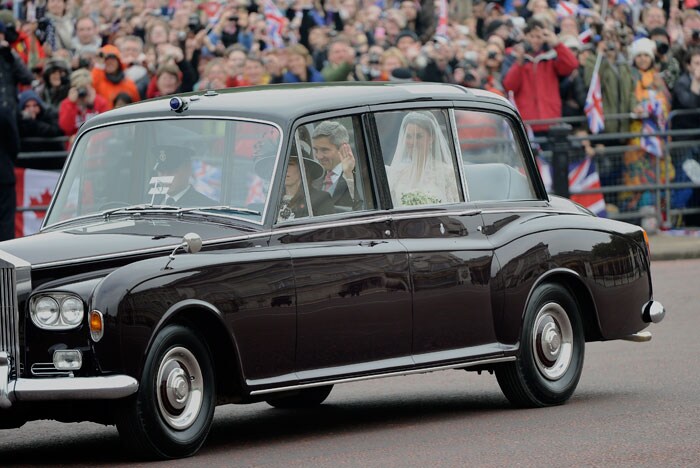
[(117, 236)]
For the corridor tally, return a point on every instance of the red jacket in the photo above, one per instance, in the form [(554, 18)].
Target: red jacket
[(535, 83), (71, 116)]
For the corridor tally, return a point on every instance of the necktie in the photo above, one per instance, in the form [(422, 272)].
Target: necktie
[(328, 181)]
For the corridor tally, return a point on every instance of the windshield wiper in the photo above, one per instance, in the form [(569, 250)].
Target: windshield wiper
[(231, 209), (142, 207)]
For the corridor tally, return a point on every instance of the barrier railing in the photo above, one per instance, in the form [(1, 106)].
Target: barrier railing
[(673, 197)]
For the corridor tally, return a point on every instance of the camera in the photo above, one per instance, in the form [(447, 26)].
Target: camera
[(233, 18), (610, 46), (374, 58), (194, 24), (696, 34), (661, 47), (492, 55), (82, 92)]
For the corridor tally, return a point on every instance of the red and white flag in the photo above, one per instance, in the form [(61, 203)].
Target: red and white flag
[(34, 189), (594, 102), (442, 20)]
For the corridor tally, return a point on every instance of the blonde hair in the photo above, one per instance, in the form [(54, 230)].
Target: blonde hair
[(298, 49)]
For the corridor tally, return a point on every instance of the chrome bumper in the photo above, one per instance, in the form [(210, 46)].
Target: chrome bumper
[(64, 388), (653, 312)]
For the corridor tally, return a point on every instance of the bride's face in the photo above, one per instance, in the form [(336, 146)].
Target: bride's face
[(418, 139)]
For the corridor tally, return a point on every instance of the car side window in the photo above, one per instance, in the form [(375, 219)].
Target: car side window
[(336, 171), (419, 157), (493, 162)]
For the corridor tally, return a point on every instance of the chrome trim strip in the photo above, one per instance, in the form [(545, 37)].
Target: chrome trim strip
[(458, 153), (170, 117), (472, 212), (5, 401), (75, 388), (423, 370)]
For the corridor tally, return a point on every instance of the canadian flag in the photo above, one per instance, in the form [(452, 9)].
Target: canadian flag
[(34, 188)]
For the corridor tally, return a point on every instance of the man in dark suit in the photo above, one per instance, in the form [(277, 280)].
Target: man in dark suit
[(176, 162), (331, 147)]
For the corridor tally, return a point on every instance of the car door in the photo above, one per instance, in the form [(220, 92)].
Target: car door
[(450, 258), (351, 272)]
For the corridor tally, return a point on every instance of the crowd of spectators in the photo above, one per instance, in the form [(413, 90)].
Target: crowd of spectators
[(71, 59)]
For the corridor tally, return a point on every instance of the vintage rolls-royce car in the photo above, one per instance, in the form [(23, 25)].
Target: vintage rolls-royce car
[(266, 244)]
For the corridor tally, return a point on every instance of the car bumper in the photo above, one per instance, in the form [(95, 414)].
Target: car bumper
[(110, 387)]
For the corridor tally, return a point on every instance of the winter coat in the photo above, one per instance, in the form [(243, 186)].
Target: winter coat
[(684, 98), (617, 88), (45, 125), (71, 115), (109, 90), (12, 73), (535, 83)]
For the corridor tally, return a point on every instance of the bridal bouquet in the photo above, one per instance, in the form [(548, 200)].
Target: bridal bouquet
[(418, 198)]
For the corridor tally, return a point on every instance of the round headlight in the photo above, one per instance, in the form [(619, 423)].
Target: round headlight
[(71, 311), (47, 311)]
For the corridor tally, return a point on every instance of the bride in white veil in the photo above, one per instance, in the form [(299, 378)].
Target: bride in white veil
[(422, 171)]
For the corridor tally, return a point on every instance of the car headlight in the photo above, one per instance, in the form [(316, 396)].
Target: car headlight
[(56, 311)]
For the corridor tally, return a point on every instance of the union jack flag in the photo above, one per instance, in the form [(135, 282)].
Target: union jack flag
[(650, 143), (629, 3), (584, 176), (207, 179), (565, 9), (256, 190), (276, 23), (594, 102)]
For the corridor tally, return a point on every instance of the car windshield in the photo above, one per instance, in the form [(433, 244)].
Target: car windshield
[(170, 166)]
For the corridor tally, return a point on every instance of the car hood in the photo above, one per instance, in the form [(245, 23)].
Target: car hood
[(116, 237)]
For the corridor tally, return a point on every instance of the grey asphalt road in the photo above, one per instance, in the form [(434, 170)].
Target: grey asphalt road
[(638, 404)]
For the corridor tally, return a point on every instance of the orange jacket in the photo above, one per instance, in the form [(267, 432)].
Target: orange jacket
[(109, 90)]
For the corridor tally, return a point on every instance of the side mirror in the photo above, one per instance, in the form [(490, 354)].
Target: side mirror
[(191, 242)]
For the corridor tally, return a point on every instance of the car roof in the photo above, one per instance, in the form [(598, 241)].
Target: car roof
[(286, 102)]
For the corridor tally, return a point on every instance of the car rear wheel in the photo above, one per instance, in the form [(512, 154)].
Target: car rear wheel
[(550, 360), (306, 398), (171, 414)]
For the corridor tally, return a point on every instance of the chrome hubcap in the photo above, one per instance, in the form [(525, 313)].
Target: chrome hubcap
[(179, 388), (552, 341)]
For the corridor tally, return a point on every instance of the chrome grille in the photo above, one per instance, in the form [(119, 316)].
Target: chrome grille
[(9, 316)]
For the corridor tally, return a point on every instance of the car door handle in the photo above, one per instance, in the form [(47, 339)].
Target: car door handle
[(371, 243)]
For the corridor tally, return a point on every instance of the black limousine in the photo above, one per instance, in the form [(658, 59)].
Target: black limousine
[(266, 244)]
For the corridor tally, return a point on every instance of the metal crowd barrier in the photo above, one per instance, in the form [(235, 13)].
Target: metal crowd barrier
[(667, 194)]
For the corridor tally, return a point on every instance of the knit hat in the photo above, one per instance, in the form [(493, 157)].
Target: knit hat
[(642, 46), (30, 95), (80, 77)]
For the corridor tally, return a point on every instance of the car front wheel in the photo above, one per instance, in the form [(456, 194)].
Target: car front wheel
[(171, 414), (550, 360)]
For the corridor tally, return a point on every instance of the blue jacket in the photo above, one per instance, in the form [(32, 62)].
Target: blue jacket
[(314, 76)]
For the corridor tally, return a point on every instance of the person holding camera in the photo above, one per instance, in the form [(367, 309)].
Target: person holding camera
[(82, 103), (12, 73), (25, 43), (666, 63), (108, 76), (540, 62), (37, 121)]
